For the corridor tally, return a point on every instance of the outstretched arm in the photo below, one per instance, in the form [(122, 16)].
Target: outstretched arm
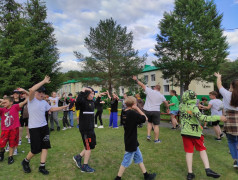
[(207, 107), (219, 83), (53, 109), (23, 90), (138, 82)]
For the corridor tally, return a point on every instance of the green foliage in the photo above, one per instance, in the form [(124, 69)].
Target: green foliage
[(191, 44), (113, 59)]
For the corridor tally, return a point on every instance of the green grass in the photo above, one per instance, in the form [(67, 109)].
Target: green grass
[(166, 159)]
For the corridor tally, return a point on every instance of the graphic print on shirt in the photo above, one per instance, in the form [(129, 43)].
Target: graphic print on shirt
[(53, 102), (8, 120)]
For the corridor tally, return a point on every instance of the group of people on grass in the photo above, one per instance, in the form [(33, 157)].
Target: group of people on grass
[(134, 113)]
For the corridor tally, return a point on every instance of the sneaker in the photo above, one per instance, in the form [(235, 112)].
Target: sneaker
[(78, 161), (222, 135), (69, 127), (2, 155), (26, 167), (177, 126), (157, 141), (26, 137), (235, 164), (29, 141), (150, 176), (190, 176), (116, 128), (148, 138), (51, 129), (64, 128), (19, 143), (58, 128), (100, 127), (211, 173), (43, 170), (218, 139), (86, 168), (173, 128), (15, 152), (10, 160), (95, 125), (7, 148)]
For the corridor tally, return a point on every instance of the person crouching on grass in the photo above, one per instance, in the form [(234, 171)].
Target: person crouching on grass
[(130, 121), (86, 128), (191, 132), (10, 124), (38, 128)]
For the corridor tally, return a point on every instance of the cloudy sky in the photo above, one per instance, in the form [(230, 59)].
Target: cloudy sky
[(73, 18)]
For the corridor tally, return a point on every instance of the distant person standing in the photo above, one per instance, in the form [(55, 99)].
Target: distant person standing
[(65, 115), (114, 111), (174, 109), (99, 106), (152, 108), (71, 109)]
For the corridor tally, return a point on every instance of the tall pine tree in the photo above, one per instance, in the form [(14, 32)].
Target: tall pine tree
[(191, 44)]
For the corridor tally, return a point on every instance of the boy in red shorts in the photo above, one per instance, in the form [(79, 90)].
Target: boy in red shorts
[(191, 132), (10, 126)]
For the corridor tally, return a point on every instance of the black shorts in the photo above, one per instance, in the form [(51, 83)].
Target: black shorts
[(153, 117), (40, 139), (89, 139), (215, 123), (24, 122)]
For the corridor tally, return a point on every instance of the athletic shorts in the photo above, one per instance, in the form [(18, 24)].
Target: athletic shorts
[(129, 156), (77, 113), (40, 139), (189, 143), (24, 122), (153, 117), (11, 136), (89, 139), (174, 112), (215, 123)]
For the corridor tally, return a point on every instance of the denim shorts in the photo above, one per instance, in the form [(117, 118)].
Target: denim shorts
[(129, 156), (174, 112)]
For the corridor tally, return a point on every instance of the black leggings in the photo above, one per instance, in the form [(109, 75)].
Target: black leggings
[(65, 120), (98, 114)]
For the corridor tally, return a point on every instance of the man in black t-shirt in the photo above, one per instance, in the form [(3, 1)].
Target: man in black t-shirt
[(114, 113), (130, 121), (99, 106)]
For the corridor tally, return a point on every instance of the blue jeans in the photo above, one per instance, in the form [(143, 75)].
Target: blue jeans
[(129, 156), (71, 118), (233, 145), (113, 119)]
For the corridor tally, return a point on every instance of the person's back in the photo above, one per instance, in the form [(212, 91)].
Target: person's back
[(217, 107)]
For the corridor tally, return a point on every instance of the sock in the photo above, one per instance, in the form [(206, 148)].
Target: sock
[(118, 178), (146, 174), (42, 165), (26, 160)]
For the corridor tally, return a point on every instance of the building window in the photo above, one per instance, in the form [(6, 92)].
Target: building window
[(152, 77), (166, 88), (152, 87), (146, 78)]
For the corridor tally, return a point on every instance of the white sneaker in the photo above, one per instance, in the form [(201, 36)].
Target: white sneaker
[(64, 128), (19, 143), (15, 152), (69, 127), (7, 148), (26, 137), (95, 125), (100, 126), (29, 141)]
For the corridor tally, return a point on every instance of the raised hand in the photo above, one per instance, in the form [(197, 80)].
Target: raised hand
[(223, 118), (134, 78), (218, 75), (47, 79), (21, 89)]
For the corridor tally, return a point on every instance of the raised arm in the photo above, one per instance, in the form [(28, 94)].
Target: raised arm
[(53, 109), (23, 103), (37, 86), (108, 95), (135, 107), (219, 83), (138, 82), (167, 104), (23, 90), (116, 96)]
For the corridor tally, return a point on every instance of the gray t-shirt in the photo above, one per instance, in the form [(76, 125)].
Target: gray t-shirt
[(153, 100), (37, 109), (227, 99), (217, 107), (54, 101)]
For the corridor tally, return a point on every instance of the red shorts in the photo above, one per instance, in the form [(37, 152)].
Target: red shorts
[(11, 136), (189, 143)]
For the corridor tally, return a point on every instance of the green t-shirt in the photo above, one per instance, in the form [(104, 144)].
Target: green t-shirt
[(175, 107)]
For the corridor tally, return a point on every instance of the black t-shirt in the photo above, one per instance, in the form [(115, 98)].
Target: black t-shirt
[(20, 100), (114, 105), (98, 105), (130, 120)]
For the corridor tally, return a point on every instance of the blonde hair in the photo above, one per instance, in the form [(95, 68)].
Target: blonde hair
[(130, 101)]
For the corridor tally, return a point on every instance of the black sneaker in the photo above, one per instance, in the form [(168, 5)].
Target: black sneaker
[(78, 161), (58, 128), (51, 129), (2, 155), (150, 176), (190, 176), (10, 160), (43, 170), (177, 126), (26, 167), (218, 139), (235, 164), (86, 168), (222, 135), (173, 128), (211, 173)]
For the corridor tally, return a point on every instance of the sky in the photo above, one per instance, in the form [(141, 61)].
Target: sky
[(72, 20)]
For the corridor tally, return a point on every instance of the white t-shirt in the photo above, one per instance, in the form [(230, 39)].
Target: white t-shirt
[(54, 101), (217, 107), (153, 100), (227, 99), (37, 109)]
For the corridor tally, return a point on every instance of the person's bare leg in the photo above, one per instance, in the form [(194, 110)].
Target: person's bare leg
[(27, 132), (156, 131), (203, 155), (121, 171), (174, 120), (43, 155), (82, 153), (29, 156), (189, 160), (217, 132), (11, 150), (20, 132), (142, 167), (149, 128), (87, 156)]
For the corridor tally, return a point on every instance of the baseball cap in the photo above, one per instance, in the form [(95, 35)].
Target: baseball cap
[(41, 89)]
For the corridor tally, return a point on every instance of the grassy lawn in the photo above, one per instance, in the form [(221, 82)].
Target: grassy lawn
[(166, 159)]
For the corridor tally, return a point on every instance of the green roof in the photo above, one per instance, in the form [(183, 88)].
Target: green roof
[(148, 68), (75, 81)]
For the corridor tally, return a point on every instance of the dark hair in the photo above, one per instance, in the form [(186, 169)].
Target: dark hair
[(174, 92), (234, 95), (214, 93), (9, 98), (204, 98)]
